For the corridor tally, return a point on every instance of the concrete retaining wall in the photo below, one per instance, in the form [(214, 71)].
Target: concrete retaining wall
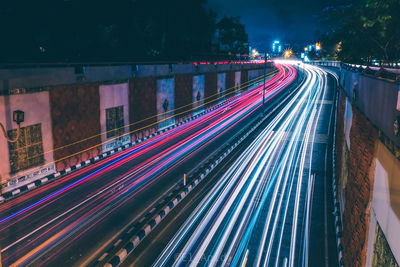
[(355, 147), (368, 170), (70, 104), (41, 76), (375, 98)]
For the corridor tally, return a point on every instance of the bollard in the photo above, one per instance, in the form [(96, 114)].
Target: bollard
[(184, 179)]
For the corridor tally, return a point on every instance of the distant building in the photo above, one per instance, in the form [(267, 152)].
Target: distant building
[(279, 47), (276, 47)]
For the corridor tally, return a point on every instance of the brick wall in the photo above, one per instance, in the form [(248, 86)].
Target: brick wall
[(230, 82), (183, 94), (244, 77), (142, 103), (75, 113), (210, 88), (358, 186)]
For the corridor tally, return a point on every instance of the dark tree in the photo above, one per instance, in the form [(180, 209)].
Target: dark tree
[(363, 31), (174, 29), (119, 30), (232, 36)]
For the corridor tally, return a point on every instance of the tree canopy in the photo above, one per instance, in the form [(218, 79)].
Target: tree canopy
[(119, 30), (232, 36), (366, 30)]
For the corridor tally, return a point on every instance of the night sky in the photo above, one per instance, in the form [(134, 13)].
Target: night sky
[(266, 20)]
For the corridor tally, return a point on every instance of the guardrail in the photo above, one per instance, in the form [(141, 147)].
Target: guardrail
[(327, 63), (378, 72)]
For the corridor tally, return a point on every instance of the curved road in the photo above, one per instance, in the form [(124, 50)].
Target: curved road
[(73, 218), (259, 213)]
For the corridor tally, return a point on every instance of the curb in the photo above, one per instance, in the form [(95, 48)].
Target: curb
[(338, 227), (336, 204), (49, 178)]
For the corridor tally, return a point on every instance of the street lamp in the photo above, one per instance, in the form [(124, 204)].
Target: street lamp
[(288, 53), (18, 117), (297, 74)]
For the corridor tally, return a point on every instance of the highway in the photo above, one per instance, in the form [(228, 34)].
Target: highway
[(269, 208), (72, 219)]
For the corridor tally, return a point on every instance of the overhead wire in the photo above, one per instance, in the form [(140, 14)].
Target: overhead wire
[(228, 92)]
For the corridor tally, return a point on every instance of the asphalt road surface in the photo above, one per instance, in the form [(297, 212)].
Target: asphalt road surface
[(271, 205)]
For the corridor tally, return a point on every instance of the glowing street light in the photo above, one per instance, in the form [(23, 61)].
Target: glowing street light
[(288, 53), (254, 53)]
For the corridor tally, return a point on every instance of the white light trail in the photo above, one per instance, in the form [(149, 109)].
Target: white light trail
[(256, 193)]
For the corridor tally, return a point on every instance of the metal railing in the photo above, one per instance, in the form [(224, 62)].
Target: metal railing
[(328, 63), (391, 74)]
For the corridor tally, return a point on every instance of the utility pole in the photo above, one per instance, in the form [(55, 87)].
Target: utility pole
[(297, 75), (265, 73)]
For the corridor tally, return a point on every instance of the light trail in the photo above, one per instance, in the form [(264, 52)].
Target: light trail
[(107, 198), (258, 212)]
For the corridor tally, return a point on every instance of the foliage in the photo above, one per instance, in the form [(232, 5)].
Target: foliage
[(364, 31), (119, 30), (232, 36)]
